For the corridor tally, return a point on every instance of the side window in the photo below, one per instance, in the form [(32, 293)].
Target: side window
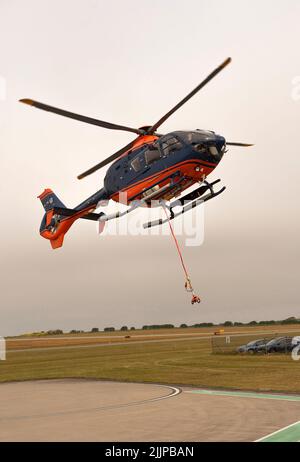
[(147, 157), (151, 155), (170, 145), (136, 164)]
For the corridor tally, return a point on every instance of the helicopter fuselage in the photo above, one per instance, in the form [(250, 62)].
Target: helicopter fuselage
[(185, 157)]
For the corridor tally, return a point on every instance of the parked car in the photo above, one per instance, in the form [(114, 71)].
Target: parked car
[(252, 347), (279, 345)]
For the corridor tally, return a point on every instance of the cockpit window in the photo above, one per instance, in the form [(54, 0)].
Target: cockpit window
[(170, 144), (199, 147), (151, 155), (213, 150)]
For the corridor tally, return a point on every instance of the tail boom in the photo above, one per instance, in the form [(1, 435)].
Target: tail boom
[(55, 224)]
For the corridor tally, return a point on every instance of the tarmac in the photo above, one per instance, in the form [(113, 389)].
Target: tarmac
[(94, 410)]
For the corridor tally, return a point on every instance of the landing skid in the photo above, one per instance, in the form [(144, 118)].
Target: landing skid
[(192, 199)]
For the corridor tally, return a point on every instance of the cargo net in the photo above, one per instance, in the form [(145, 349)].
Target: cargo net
[(255, 343)]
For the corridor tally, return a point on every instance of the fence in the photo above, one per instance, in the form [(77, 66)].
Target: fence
[(240, 344)]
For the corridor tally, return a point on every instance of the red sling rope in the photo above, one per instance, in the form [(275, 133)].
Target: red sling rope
[(188, 283)]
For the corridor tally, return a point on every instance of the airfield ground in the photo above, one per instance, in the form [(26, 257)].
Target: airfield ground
[(157, 357), (113, 388), (91, 410)]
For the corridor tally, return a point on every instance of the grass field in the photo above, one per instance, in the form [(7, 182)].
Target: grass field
[(186, 362)]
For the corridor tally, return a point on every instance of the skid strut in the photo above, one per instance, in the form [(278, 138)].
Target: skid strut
[(194, 199)]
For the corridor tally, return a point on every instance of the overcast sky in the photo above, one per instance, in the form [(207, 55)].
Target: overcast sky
[(129, 62)]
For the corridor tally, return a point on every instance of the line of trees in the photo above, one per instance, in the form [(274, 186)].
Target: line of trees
[(158, 326), (54, 332), (290, 320)]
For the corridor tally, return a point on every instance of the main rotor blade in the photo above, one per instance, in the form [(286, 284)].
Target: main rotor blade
[(244, 145), (81, 118), (189, 96), (107, 160)]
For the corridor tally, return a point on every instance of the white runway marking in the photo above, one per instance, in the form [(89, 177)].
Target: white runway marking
[(175, 391)]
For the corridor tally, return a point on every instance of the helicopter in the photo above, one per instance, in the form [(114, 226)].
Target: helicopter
[(153, 168)]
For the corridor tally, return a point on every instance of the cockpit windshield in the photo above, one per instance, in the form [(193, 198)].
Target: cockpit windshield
[(213, 150), (169, 145)]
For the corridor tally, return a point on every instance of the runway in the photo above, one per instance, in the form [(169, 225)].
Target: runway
[(16, 345), (93, 410)]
